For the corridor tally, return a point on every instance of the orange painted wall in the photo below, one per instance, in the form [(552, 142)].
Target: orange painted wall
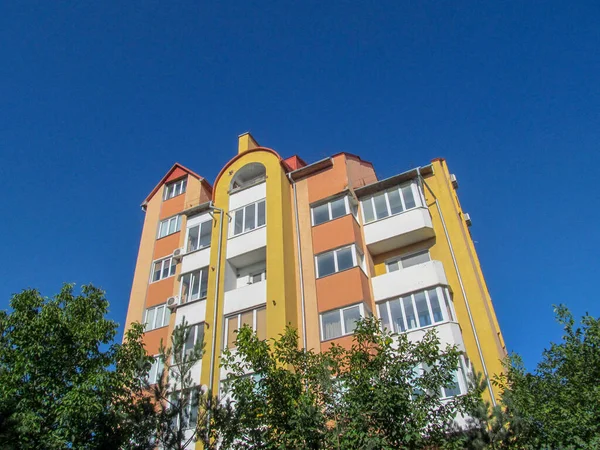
[(342, 289), (152, 340), (344, 342), (335, 233), (160, 291), (165, 246), (360, 173), (172, 206), (328, 182)]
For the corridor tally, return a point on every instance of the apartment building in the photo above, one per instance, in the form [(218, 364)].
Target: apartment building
[(276, 241)]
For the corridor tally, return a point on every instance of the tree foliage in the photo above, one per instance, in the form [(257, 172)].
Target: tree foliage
[(63, 382), (384, 392)]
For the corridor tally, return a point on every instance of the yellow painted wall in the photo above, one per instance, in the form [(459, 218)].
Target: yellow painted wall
[(281, 281)]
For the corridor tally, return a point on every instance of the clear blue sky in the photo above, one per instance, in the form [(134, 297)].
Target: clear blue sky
[(99, 99)]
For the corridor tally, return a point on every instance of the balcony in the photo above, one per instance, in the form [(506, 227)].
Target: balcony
[(448, 332), (195, 260), (411, 279), (399, 230), (245, 297), (247, 248)]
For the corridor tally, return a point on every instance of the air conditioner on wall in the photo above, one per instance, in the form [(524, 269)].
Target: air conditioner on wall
[(173, 302), (178, 253), (467, 219), (454, 181)]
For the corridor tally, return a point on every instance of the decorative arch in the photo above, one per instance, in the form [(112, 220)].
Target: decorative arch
[(249, 175)]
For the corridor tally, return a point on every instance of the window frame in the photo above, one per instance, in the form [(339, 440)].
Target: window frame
[(233, 213), (160, 369), (442, 302), (165, 318), (173, 264), (341, 310), (167, 222), (398, 259), (328, 202), (416, 198), (198, 329), (187, 236), (200, 271), (239, 314), (179, 187), (357, 260)]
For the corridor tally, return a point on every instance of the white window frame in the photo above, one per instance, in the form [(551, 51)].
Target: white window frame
[(345, 332), (167, 224), (416, 197), (179, 187), (188, 409), (191, 274), (243, 209), (158, 366), (262, 273), (194, 328), (347, 206), (165, 316), (442, 300), (162, 262), (357, 259), (239, 320), (398, 259), (187, 236)]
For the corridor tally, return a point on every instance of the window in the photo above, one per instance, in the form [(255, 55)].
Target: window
[(169, 226), (195, 336), (331, 210), (338, 260), (163, 268), (340, 322), (199, 236), (189, 402), (416, 310), (390, 202), (194, 285), (249, 217), (257, 277), (404, 262), (452, 389), (157, 317), (249, 175), (156, 371), (175, 188), (255, 318)]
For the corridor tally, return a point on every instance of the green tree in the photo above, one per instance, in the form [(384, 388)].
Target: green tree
[(63, 382), (558, 405), (382, 393)]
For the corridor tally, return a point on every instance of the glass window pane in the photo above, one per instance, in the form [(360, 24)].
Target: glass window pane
[(320, 214), (247, 319), (238, 222), (152, 373), (157, 267), (338, 208), (351, 315), (422, 309), (261, 220), (183, 185), (158, 319), (435, 305), (261, 323), (409, 199), (392, 266), (417, 258), (369, 215), (166, 266), (332, 327), (411, 320), (395, 202), (166, 317), (188, 345), (185, 287), (162, 229), (173, 266), (380, 206), (150, 319), (194, 405), (205, 231), (172, 225), (203, 282), (384, 316), (250, 217), (453, 388), (397, 316), (325, 264), (448, 307), (232, 325), (193, 238), (195, 285), (344, 258)]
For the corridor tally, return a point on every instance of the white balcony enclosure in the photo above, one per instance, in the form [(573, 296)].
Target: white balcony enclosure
[(448, 332), (411, 279), (247, 248), (399, 230), (195, 260), (247, 297)]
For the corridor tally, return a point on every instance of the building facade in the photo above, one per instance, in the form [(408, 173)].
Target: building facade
[(277, 241)]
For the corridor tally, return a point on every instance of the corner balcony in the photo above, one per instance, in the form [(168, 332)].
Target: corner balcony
[(411, 279), (398, 230), (245, 297), (247, 248)]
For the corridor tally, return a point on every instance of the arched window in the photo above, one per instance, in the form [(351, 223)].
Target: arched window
[(247, 176)]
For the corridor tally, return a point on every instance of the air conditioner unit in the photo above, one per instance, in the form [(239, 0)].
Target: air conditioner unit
[(178, 254), (173, 302), (454, 181), (467, 219)]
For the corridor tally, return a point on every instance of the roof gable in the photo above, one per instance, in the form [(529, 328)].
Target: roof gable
[(175, 172)]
